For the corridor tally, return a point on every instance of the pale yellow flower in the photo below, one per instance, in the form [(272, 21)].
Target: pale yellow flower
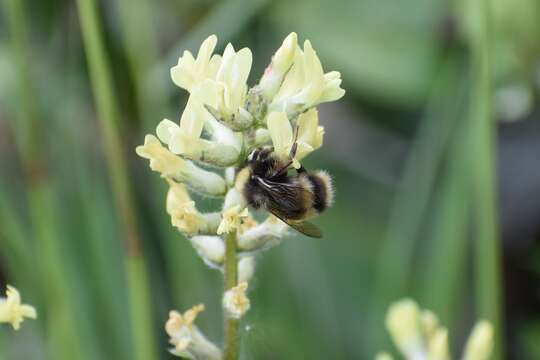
[(306, 85), (310, 134), (185, 139), (174, 167), (235, 301), (278, 68), (190, 72), (231, 219), (233, 74), (186, 338), (480, 343), (403, 323), (419, 336), (12, 311), (161, 159), (181, 208), (438, 345), (225, 95)]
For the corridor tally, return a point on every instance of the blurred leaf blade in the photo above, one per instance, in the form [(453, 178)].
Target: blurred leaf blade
[(487, 242), (108, 115), (395, 258)]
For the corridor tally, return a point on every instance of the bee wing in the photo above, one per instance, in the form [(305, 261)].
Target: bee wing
[(305, 227), (284, 196), (285, 199)]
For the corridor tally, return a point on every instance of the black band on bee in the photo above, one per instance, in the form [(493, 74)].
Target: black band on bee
[(323, 191)]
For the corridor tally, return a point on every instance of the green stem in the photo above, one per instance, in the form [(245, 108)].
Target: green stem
[(487, 258), (108, 115), (231, 280), (443, 284)]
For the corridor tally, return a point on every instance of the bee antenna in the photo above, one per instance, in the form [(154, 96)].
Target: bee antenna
[(296, 127), (294, 147)]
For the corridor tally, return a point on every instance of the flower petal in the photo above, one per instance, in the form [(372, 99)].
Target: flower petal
[(281, 133), (189, 72), (192, 120), (165, 130)]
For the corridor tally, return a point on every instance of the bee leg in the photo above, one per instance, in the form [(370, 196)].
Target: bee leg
[(294, 148), (282, 171), (292, 153)]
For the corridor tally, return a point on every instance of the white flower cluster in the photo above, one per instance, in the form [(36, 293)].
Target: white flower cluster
[(223, 121), (419, 336)]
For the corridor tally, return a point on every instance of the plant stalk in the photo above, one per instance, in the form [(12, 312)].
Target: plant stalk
[(109, 120), (487, 239), (231, 280)]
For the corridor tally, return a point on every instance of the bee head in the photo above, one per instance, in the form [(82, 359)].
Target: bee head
[(253, 155), (260, 154)]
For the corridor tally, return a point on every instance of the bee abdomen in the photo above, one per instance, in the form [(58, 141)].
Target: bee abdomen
[(323, 192)]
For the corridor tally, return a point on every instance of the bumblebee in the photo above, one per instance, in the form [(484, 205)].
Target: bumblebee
[(293, 196)]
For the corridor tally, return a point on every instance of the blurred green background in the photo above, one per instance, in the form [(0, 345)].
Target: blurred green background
[(434, 151)]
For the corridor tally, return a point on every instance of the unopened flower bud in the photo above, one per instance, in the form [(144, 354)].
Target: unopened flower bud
[(438, 345), (210, 248), (262, 136), (263, 236), (403, 323), (234, 198), (480, 343), (222, 134), (239, 121), (278, 68), (429, 323), (230, 173), (203, 181), (246, 268)]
